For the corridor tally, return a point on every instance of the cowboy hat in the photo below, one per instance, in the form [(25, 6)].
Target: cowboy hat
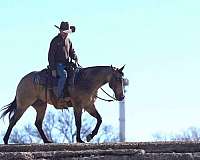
[(65, 27)]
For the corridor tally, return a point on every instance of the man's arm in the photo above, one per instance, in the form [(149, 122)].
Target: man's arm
[(72, 53), (51, 55)]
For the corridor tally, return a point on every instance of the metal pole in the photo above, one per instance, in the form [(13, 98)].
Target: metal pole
[(122, 114)]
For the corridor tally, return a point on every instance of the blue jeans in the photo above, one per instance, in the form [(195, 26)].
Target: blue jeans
[(62, 74)]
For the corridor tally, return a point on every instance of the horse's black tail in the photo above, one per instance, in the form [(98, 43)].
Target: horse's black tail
[(10, 108)]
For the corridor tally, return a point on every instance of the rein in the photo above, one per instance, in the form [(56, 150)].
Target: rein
[(107, 100), (113, 98)]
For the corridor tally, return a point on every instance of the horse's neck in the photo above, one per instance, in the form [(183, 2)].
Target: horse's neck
[(102, 76)]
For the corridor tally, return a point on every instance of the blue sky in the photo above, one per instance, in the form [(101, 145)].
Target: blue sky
[(158, 41)]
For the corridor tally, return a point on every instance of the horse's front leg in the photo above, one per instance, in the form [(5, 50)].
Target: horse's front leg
[(93, 112), (78, 114)]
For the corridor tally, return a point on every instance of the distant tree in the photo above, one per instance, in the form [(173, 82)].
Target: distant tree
[(190, 134), (60, 128), (107, 134)]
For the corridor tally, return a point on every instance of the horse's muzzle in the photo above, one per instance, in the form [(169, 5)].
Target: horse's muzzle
[(120, 98)]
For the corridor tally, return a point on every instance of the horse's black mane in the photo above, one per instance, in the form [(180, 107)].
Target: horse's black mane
[(83, 75)]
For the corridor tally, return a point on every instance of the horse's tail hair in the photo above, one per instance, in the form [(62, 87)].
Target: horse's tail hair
[(10, 108)]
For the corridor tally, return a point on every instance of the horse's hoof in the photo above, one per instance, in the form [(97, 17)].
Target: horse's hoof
[(80, 141), (89, 137), (5, 140), (48, 141)]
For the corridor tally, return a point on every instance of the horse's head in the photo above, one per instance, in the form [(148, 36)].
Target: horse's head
[(116, 83)]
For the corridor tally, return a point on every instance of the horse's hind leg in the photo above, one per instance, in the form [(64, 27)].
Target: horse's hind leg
[(93, 112), (17, 115), (40, 108)]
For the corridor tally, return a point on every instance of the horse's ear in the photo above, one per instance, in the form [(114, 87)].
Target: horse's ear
[(121, 68), (112, 67)]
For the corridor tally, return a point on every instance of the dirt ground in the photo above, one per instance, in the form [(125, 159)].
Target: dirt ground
[(107, 151)]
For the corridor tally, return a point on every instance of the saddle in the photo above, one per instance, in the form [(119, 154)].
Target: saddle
[(45, 78)]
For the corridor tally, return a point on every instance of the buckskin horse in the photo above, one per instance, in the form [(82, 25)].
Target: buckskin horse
[(82, 96)]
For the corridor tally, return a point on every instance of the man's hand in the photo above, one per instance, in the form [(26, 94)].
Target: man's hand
[(74, 57), (54, 73), (73, 28), (76, 60)]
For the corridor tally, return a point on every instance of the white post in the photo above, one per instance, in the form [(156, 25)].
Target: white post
[(122, 114)]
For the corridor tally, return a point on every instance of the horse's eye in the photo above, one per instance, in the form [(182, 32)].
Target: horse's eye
[(118, 79)]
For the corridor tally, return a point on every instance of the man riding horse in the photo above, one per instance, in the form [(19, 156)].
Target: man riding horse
[(60, 53), (33, 89)]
